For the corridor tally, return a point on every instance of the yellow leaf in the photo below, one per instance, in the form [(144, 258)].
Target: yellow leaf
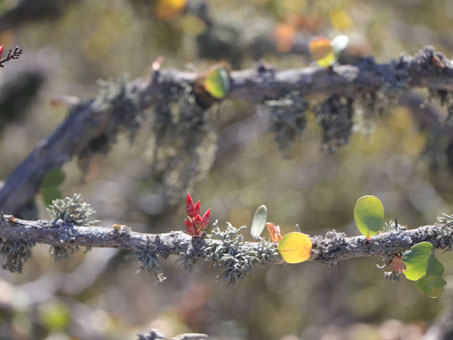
[(169, 9), (295, 247), (322, 51), (340, 20)]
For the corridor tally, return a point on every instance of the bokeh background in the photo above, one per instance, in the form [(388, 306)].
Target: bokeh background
[(69, 45)]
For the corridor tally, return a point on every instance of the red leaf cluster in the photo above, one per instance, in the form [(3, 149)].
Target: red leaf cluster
[(195, 223)]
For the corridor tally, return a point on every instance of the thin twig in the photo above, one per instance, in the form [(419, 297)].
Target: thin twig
[(11, 55)]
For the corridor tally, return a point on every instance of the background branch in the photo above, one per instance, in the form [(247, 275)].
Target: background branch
[(93, 120)]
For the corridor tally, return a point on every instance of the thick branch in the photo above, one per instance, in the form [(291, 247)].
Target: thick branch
[(328, 249), (91, 120)]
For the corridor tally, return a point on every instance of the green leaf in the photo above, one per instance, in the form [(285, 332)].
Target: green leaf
[(217, 82), (423, 267), (432, 285), (53, 178), (49, 194), (369, 215), (416, 260), (259, 221)]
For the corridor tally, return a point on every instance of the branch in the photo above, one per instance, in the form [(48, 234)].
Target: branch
[(331, 248), (155, 334), (11, 55), (345, 80), (104, 115), (26, 11)]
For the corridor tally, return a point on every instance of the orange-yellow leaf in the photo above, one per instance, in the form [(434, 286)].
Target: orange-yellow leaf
[(295, 247), (169, 9), (283, 36), (322, 51), (274, 231)]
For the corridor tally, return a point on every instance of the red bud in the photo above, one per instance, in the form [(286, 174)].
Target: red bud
[(192, 210), (1, 50), (197, 221), (205, 219), (196, 209), (189, 203), (190, 228)]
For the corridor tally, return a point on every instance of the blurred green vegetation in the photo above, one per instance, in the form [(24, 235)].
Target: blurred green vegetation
[(99, 295)]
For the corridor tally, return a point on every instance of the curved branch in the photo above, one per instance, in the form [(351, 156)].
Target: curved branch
[(26, 11), (330, 248), (88, 121)]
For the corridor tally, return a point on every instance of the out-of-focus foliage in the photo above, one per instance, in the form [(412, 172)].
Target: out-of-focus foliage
[(49, 185), (99, 295)]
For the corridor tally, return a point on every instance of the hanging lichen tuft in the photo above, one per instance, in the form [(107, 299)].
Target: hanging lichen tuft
[(183, 144)]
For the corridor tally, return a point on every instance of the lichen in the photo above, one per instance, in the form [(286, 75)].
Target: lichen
[(195, 251), (326, 247), (121, 100), (149, 263), (233, 256), (75, 212), (287, 117), (335, 116), (60, 253), (183, 144), (17, 252), (446, 232)]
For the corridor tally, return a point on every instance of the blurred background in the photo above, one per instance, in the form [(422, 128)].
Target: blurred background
[(70, 44)]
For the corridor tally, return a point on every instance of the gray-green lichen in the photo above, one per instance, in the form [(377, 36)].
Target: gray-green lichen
[(232, 255), (326, 247), (149, 263), (74, 211), (335, 116), (287, 117), (183, 144), (193, 253), (16, 252), (446, 233), (62, 252), (122, 101)]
